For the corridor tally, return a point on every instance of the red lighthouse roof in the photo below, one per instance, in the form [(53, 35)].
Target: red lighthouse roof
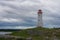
[(40, 11)]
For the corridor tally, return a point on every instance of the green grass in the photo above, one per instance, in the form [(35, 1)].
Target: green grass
[(2, 39), (48, 32)]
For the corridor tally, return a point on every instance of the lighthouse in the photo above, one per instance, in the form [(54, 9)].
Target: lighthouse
[(40, 23)]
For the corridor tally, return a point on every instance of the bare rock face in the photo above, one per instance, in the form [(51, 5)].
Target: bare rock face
[(29, 38), (35, 32)]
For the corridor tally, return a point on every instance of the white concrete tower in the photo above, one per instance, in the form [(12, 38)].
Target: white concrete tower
[(40, 23)]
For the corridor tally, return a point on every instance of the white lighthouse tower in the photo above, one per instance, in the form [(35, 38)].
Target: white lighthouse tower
[(40, 23)]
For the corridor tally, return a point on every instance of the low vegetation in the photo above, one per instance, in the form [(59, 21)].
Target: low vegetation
[(45, 33)]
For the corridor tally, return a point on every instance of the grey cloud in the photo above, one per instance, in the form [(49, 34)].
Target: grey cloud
[(22, 10)]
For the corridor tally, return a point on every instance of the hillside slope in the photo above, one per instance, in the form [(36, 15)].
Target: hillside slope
[(39, 33)]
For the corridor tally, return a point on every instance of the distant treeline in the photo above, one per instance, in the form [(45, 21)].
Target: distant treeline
[(10, 29)]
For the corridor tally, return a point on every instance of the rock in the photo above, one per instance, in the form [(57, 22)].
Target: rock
[(29, 38), (35, 32)]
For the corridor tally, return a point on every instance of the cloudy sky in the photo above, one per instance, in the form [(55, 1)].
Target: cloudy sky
[(24, 12)]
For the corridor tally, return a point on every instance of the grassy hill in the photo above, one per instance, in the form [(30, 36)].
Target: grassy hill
[(39, 33)]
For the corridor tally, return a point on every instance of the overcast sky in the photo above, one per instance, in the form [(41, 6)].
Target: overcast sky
[(24, 12)]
